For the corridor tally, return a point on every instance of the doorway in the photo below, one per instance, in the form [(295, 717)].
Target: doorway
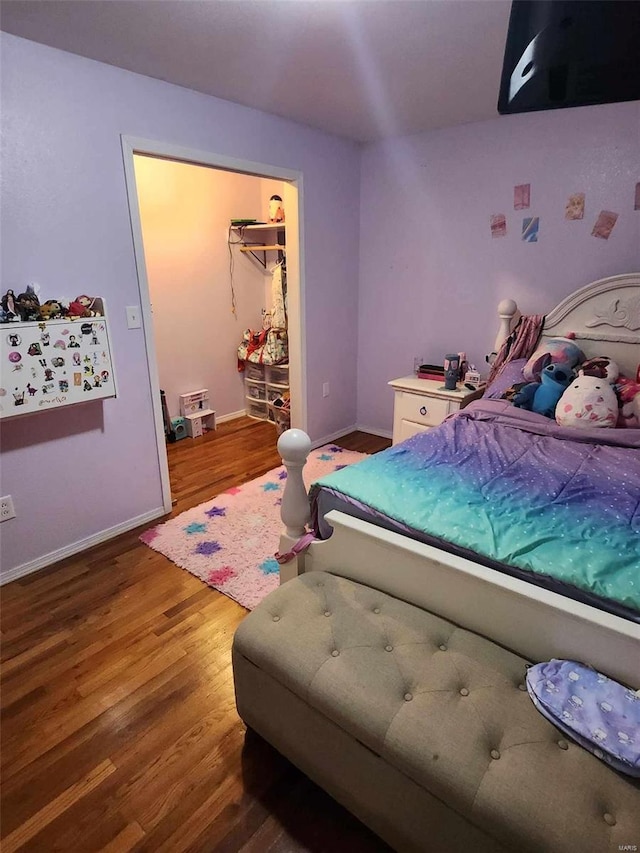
[(227, 295)]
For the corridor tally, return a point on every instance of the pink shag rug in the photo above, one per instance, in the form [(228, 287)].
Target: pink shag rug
[(229, 542)]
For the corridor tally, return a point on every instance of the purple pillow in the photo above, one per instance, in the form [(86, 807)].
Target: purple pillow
[(510, 373)]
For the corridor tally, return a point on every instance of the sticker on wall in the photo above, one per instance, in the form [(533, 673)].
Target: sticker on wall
[(31, 389), (14, 357), (87, 386), (63, 385), (34, 349), (636, 203), (604, 224), (77, 379), (498, 225), (59, 345), (574, 208), (18, 397), (45, 337), (57, 362), (14, 340), (530, 228), (73, 342), (522, 196)]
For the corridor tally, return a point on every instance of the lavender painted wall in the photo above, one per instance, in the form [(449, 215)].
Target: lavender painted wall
[(431, 275), (65, 224)]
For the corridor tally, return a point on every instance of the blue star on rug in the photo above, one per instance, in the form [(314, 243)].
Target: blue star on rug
[(270, 566), (271, 487), (324, 457), (195, 527)]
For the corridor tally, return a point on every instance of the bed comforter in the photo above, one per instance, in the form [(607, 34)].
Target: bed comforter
[(515, 491)]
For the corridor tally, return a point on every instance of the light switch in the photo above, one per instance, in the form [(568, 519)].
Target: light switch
[(134, 320)]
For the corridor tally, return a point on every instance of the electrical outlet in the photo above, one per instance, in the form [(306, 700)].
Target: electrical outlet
[(133, 317), (325, 389), (7, 509)]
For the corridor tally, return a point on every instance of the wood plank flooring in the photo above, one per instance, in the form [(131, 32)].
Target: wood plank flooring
[(119, 729)]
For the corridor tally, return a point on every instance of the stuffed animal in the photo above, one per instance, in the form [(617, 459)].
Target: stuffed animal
[(86, 306), (542, 397), (629, 401), (601, 366), (588, 402), (51, 310), (28, 305)]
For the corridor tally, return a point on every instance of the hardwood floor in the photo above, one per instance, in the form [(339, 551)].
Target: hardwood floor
[(119, 728)]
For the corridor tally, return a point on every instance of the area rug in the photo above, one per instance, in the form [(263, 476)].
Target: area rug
[(229, 542)]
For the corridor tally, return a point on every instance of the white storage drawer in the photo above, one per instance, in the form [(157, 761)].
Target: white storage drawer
[(428, 411)]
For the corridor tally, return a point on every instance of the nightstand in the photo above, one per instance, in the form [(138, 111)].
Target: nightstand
[(422, 404)]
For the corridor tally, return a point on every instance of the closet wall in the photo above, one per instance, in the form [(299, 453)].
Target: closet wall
[(185, 212)]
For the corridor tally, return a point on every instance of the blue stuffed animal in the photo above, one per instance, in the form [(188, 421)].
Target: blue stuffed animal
[(542, 397)]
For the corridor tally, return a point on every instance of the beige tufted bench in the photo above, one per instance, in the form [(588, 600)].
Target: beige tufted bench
[(423, 730)]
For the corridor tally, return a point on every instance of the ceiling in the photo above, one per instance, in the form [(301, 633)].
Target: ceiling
[(363, 69)]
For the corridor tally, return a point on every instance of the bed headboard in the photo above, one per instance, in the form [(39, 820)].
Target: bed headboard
[(604, 315)]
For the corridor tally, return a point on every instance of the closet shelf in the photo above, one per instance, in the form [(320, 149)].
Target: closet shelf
[(261, 248), (262, 226)]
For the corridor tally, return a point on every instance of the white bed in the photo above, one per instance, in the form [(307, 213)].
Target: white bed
[(534, 622)]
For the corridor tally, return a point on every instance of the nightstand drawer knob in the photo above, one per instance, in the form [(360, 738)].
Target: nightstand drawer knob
[(423, 410)]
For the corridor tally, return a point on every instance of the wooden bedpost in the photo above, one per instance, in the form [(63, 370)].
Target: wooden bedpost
[(294, 446)]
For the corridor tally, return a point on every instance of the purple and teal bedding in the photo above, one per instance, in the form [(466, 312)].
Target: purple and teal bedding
[(512, 490)]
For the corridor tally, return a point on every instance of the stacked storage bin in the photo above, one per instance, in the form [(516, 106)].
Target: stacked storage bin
[(256, 391)]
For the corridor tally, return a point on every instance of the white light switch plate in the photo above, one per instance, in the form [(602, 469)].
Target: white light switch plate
[(134, 320)]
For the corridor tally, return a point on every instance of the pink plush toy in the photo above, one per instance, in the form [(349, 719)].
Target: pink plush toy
[(629, 394), (588, 402)]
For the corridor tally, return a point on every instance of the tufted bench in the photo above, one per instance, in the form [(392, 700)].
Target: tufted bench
[(422, 729)]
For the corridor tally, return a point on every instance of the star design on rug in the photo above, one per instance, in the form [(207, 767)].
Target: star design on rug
[(339, 467), (270, 566), (271, 487), (221, 575), (335, 449), (277, 502), (233, 490), (208, 548), (324, 457), (195, 527), (216, 510), (282, 475)]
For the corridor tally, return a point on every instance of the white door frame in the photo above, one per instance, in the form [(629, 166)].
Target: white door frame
[(294, 205)]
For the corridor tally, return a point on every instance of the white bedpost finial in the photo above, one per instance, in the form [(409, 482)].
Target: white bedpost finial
[(294, 446), (506, 311)]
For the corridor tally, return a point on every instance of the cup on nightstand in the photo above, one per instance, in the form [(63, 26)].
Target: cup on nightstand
[(451, 371)]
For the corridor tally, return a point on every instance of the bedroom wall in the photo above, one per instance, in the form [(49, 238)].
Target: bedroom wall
[(185, 212), (431, 275), (81, 473)]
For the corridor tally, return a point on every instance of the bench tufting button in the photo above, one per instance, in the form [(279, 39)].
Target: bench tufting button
[(408, 697), (376, 610), (335, 653), (388, 648), (464, 691), (327, 613), (609, 818), (495, 754), (276, 618), (442, 647), (563, 744)]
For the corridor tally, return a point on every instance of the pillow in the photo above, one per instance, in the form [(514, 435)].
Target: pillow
[(600, 714), (562, 351), (510, 374)]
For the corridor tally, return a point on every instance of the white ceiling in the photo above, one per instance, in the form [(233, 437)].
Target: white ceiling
[(364, 69)]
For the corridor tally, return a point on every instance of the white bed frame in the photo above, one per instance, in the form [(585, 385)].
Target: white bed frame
[(529, 620)]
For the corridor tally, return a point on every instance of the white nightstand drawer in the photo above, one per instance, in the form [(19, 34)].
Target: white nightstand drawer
[(429, 411), (407, 429)]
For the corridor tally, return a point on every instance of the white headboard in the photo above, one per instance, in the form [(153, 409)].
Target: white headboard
[(604, 315)]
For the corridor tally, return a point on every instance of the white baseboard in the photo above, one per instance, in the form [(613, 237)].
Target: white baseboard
[(231, 416), (383, 433), (334, 435), (81, 545)]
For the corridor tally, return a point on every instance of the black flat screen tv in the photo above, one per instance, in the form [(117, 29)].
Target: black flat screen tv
[(570, 53)]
